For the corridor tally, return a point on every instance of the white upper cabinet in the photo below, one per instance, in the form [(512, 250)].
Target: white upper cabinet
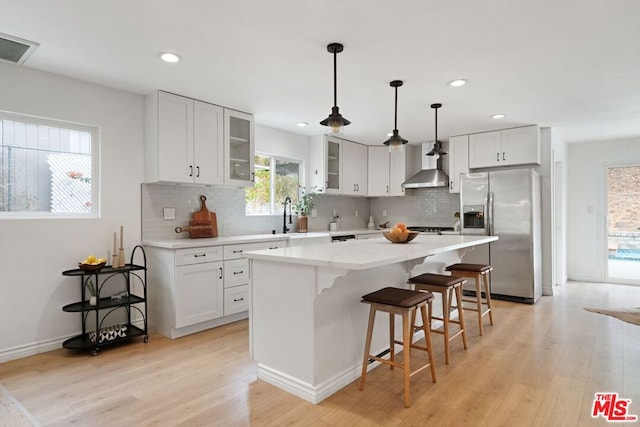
[(183, 140), (325, 164), (458, 160), (400, 169), (517, 146), (239, 148), (354, 169), (388, 170), (378, 167)]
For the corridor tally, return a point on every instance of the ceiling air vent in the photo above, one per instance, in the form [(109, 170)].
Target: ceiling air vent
[(14, 49)]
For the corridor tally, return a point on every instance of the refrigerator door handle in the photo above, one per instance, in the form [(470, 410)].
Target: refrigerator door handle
[(490, 213)]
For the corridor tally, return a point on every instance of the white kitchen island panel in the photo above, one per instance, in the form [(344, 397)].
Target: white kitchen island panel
[(307, 324)]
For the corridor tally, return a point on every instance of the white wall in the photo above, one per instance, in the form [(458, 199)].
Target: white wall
[(586, 211), (33, 253)]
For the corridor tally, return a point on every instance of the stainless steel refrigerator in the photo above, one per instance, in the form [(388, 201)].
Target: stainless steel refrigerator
[(505, 203)]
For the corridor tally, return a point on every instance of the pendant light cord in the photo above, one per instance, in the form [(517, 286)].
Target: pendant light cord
[(335, 79)]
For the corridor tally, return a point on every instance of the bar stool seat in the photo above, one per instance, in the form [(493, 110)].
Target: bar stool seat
[(447, 286), (479, 272), (403, 302)]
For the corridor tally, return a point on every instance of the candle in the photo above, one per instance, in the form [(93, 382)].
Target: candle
[(114, 242), (121, 237)]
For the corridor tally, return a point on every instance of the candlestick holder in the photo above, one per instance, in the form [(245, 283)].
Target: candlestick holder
[(121, 261)]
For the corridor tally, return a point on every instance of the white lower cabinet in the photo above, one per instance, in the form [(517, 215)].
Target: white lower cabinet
[(199, 293), (199, 288)]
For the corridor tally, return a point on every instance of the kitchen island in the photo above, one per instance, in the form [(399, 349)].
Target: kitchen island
[(307, 325)]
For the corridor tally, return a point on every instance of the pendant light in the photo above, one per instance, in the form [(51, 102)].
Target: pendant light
[(396, 142), (335, 121), (437, 145)]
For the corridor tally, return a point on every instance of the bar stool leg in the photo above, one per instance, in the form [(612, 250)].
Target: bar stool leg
[(479, 301), (392, 338), (458, 291), (406, 353), (426, 325), (445, 320), (367, 346), (486, 291)]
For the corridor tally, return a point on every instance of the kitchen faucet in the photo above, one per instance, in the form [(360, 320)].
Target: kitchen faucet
[(284, 215)]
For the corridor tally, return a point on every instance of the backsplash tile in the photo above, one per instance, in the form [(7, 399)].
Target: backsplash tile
[(421, 206)]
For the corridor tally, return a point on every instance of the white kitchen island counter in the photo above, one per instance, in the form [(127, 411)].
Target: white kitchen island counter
[(307, 324)]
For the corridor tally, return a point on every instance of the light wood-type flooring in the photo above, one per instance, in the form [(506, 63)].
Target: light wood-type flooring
[(538, 365)]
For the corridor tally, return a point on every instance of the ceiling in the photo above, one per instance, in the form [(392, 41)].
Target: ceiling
[(573, 65)]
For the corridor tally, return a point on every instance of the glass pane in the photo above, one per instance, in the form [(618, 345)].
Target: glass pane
[(44, 168), (258, 197), (287, 181)]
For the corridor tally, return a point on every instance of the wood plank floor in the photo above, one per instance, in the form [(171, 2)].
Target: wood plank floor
[(538, 365)]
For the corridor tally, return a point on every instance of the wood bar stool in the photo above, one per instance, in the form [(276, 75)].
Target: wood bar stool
[(405, 303), (479, 272), (447, 286)]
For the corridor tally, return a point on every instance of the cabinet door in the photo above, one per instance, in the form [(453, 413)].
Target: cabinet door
[(521, 146), (458, 160), (354, 168), (199, 293), (378, 171), (398, 170), (485, 149), (239, 148), (333, 165), (175, 138), (208, 146)]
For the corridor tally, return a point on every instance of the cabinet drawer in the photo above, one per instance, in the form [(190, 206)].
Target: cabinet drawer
[(236, 299), (237, 251), (198, 255), (236, 272)]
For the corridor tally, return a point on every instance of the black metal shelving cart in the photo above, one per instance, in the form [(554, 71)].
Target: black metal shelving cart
[(93, 338)]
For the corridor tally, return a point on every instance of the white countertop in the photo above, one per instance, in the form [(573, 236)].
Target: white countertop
[(364, 254), (249, 238)]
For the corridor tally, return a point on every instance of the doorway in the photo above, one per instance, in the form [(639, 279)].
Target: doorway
[(623, 224)]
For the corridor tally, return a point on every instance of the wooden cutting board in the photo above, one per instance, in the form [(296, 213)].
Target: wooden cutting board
[(203, 224)]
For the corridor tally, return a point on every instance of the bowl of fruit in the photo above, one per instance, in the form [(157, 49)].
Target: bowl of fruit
[(399, 234), (91, 264)]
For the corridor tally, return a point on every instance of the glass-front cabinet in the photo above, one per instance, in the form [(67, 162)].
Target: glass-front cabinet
[(239, 148)]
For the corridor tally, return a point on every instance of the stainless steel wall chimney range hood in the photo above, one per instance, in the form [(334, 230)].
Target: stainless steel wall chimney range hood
[(431, 174)]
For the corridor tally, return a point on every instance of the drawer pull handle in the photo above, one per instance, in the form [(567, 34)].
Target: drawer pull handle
[(238, 299), (220, 273), (199, 255), (237, 251), (238, 272), (274, 247)]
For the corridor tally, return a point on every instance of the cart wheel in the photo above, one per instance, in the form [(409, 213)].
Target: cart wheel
[(146, 338), (94, 352)]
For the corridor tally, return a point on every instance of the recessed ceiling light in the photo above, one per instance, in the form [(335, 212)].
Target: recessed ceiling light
[(170, 57), (457, 82), (497, 116), (302, 124)]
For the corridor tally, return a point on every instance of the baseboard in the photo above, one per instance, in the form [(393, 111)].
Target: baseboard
[(31, 349), (203, 326), (317, 393)]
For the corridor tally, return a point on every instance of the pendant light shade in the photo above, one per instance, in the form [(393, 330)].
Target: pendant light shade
[(396, 142), (335, 121), (437, 145)]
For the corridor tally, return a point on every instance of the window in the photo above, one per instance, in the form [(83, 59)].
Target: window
[(276, 179), (47, 168)]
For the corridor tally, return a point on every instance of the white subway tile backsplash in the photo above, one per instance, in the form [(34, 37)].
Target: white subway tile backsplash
[(421, 206)]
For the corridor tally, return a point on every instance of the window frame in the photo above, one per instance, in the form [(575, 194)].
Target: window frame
[(94, 131), (272, 180)]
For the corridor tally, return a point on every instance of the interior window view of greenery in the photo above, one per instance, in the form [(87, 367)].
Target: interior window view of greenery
[(45, 168), (271, 189)]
